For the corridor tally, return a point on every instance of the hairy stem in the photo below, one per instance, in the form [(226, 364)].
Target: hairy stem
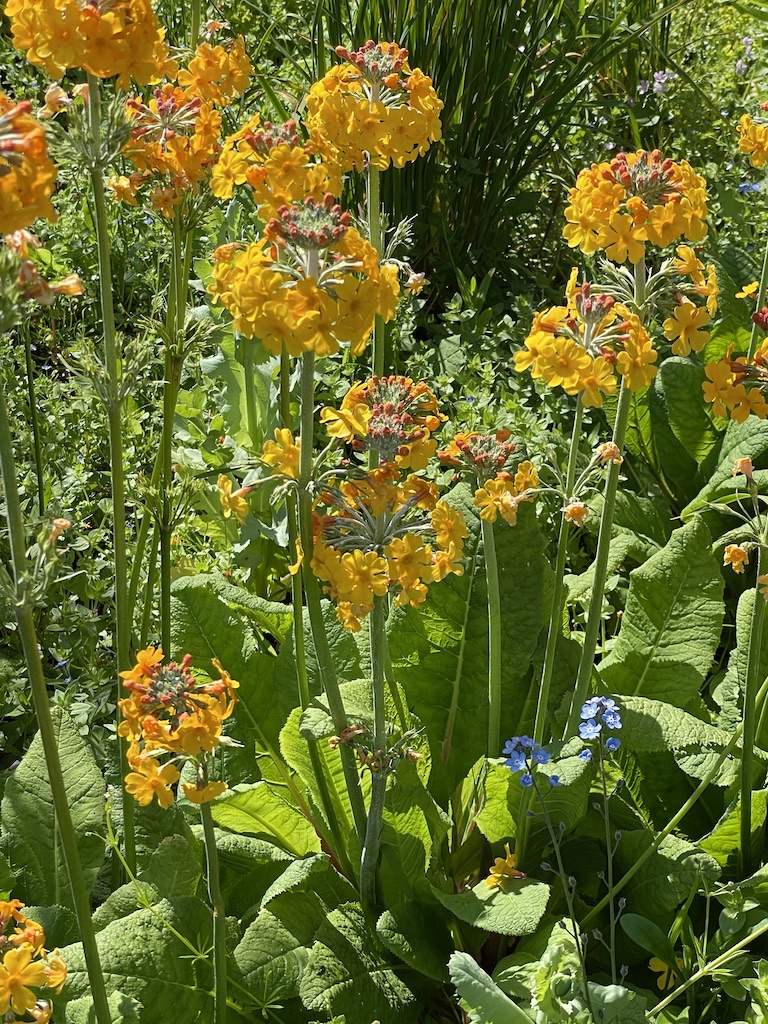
[(748, 721), (123, 613), (494, 637), (219, 918), (370, 854), (35, 421)]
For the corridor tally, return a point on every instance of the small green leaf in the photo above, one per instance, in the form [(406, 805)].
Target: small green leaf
[(258, 811), (648, 936), (487, 1002), (414, 932)]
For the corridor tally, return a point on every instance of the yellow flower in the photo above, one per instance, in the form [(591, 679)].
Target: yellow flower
[(362, 575), (56, 970), (576, 512), (283, 454), (753, 140), (27, 175), (233, 501), (203, 794), (502, 870), (18, 975), (149, 780), (409, 560), (684, 325), (743, 467), (667, 977), (736, 556), (494, 497), (749, 291)]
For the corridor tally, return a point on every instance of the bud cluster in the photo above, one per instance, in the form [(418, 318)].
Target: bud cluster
[(171, 688), (485, 454), (175, 115), (592, 308), (397, 415), (648, 177), (309, 225), (271, 135), (376, 63)]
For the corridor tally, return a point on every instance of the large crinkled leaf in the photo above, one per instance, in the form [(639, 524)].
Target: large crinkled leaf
[(210, 618), (440, 650), (736, 674), (516, 911), (487, 1003), (415, 932), (275, 947), (690, 418), (123, 1009), (258, 811), (667, 877), (30, 839), (672, 622), (143, 959), (742, 440), (653, 725), (622, 547), (247, 867), (349, 972)]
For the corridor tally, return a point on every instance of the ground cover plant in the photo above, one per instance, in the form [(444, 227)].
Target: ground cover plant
[(371, 655)]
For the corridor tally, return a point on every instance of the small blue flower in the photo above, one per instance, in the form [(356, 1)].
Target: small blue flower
[(585, 755), (748, 186), (740, 68), (611, 720), (590, 709), (526, 779), (612, 744), (541, 757), (516, 762), (554, 780), (590, 729)]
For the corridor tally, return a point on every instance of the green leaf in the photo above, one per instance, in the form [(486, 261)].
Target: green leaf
[(516, 911), (228, 373), (724, 842), (348, 970), (736, 673), (651, 725), (210, 618), (313, 874), (440, 650), (414, 826), (247, 867), (487, 1003), (622, 547), (672, 622), (648, 936), (123, 1010), (690, 416), (742, 440), (30, 839), (667, 877), (414, 932), (142, 958), (258, 811)]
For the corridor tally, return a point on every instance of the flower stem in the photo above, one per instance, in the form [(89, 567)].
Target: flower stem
[(114, 417), (370, 853), (35, 422), (171, 384), (312, 594), (748, 721), (592, 631), (609, 855), (558, 587), (675, 820), (760, 300), (25, 619), (194, 32), (374, 230), (494, 636), (219, 918)]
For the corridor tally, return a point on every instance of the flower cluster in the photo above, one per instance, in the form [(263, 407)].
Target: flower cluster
[(737, 387), (25, 965), (381, 534), (522, 753), (598, 714), (579, 347), (636, 198), (168, 712), (277, 166), (324, 291), (27, 174), (392, 416), (105, 37), (753, 139), (373, 106)]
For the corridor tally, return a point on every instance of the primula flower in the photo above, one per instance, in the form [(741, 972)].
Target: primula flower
[(575, 512), (27, 174), (502, 870), (736, 556), (743, 467), (685, 326), (283, 454), (753, 139), (148, 780), (749, 291), (737, 387), (20, 972), (233, 501)]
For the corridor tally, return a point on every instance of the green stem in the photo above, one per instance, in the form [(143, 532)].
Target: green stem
[(149, 590), (312, 593), (251, 403), (748, 721), (675, 820), (141, 543), (326, 804), (494, 637), (374, 230), (26, 626), (558, 590), (609, 855), (592, 631), (760, 301), (35, 421), (123, 613), (219, 918), (173, 365), (372, 845), (194, 33)]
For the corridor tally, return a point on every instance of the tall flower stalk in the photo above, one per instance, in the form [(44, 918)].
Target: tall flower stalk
[(370, 853), (24, 611), (114, 419)]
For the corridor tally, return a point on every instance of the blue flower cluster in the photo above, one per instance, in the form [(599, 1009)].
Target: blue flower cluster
[(597, 714), (522, 753)]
